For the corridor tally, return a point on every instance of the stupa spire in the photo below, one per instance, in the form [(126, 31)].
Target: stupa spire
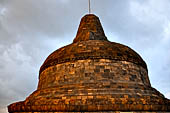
[(90, 28), (89, 7)]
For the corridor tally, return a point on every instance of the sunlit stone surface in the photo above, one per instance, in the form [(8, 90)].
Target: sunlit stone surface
[(93, 75)]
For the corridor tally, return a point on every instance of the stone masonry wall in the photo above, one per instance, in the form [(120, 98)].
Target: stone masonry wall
[(93, 71), (93, 85)]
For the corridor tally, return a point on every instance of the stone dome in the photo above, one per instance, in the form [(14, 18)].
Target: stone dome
[(93, 74), (91, 43)]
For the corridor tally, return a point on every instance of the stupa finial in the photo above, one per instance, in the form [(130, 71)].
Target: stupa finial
[(89, 7), (90, 28)]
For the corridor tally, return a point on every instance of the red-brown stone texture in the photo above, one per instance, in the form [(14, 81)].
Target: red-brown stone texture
[(93, 75)]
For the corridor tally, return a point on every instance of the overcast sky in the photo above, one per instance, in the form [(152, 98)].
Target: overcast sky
[(32, 29)]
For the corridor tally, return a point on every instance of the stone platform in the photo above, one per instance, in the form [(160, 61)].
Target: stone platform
[(92, 112)]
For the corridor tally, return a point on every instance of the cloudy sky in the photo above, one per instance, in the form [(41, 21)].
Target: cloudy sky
[(32, 29)]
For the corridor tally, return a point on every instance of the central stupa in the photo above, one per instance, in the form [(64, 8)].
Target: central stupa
[(93, 75)]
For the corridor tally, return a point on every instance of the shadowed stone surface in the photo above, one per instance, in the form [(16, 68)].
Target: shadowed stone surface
[(93, 75)]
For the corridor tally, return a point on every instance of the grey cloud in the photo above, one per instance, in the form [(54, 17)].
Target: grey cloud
[(53, 18), (125, 24), (17, 79)]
